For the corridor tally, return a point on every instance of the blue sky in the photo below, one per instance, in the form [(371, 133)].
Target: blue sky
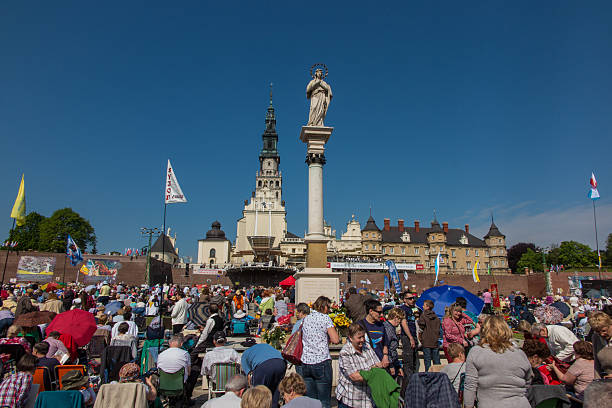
[(465, 107)]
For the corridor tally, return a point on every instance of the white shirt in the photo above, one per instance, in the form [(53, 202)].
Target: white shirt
[(210, 323), (133, 329), (314, 338), (560, 341), (218, 355), (229, 400), (173, 359), (179, 312)]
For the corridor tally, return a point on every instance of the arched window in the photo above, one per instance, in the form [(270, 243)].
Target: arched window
[(212, 262), (259, 183), (277, 183), (277, 194), (213, 253)]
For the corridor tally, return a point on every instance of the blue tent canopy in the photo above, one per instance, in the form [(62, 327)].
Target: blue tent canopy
[(445, 295)]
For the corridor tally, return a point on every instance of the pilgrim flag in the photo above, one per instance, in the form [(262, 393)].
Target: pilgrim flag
[(593, 194), (172, 189), (437, 267), (475, 273), (73, 252), (19, 208)]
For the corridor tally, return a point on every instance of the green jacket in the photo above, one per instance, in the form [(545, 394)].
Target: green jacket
[(385, 391)]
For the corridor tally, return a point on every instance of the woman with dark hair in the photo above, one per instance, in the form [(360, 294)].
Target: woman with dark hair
[(317, 332), (582, 371), (125, 339), (537, 353)]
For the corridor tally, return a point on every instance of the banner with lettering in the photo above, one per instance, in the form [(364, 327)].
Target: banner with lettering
[(173, 192), (495, 295)]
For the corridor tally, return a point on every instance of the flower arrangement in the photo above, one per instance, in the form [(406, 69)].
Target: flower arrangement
[(274, 336)]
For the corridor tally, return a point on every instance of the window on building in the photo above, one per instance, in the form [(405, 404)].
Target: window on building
[(467, 252), (495, 263), (259, 183), (213, 253), (426, 251), (487, 265), (476, 252), (453, 254), (495, 252), (416, 251), (454, 264), (403, 251), (487, 253), (500, 241), (501, 262), (391, 250), (366, 234), (293, 250), (427, 264), (374, 246), (469, 264), (212, 262), (367, 247)]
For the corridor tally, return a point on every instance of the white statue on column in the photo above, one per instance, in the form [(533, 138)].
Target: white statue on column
[(320, 94)]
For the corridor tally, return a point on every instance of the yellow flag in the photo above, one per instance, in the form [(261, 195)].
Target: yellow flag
[(475, 273), (19, 211)]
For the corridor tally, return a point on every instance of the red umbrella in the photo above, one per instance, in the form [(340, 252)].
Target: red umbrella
[(78, 323), (290, 281)]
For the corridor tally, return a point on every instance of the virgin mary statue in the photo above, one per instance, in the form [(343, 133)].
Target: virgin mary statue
[(320, 94)]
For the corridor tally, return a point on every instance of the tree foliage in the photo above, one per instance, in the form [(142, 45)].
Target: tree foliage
[(515, 252), (608, 253), (531, 260), (575, 255), (28, 235), (53, 231)]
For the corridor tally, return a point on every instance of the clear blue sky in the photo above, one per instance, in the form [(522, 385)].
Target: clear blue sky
[(465, 107)]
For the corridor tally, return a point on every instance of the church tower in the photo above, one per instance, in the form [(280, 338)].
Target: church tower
[(263, 224), (269, 181)]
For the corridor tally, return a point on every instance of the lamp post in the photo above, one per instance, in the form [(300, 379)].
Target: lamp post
[(150, 232), (549, 290)]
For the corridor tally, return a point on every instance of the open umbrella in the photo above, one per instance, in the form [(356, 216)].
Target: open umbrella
[(289, 281), (34, 318), (50, 287), (78, 323), (445, 295), (548, 314), (198, 313), (563, 308), (113, 307)]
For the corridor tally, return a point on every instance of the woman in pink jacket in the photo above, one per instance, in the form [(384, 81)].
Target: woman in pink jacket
[(453, 329)]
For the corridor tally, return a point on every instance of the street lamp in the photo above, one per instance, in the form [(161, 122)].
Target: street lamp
[(549, 290), (150, 232)]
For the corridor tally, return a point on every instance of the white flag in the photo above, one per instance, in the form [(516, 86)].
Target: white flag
[(173, 192)]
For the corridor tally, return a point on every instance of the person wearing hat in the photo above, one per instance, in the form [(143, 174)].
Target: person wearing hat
[(219, 354), (105, 291), (74, 380), (130, 373)]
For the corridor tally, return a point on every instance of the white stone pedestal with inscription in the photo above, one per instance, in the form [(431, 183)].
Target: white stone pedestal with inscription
[(314, 282)]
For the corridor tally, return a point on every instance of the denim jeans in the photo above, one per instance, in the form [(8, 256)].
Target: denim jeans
[(431, 354), (318, 379)]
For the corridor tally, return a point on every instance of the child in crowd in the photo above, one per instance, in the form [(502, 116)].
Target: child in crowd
[(456, 367), (301, 311), (15, 388), (429, 323)]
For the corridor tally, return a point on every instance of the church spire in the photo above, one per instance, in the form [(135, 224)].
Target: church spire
[(270, 137)]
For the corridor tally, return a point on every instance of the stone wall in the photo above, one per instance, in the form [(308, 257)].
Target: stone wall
[(133, 272)]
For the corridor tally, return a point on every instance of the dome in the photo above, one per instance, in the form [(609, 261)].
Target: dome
[(215, 232)]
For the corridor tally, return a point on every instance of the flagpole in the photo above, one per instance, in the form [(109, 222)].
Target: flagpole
[(64, 275), (7, 255), (164, 242), (596, 240)]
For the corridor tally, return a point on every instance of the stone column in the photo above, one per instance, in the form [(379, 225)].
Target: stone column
[(316, 279)]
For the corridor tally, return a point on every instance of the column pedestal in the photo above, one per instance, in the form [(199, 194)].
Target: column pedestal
[(316, 279)]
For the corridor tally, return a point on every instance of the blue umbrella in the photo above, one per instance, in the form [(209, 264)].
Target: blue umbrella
[(113, 307), (445, 295)]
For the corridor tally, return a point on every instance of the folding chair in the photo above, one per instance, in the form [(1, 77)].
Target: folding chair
[(55, 399), (60, 370), (222, 373), (96, 346), (42, 377), (171, 384)]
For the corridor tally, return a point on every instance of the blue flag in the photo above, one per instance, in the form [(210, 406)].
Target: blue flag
[(394, 276), (73, 252), (387, 286)]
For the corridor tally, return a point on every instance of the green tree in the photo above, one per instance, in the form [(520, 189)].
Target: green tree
[(515, 252), (531, 260), (576, 255), (28, 235), (55, 229)]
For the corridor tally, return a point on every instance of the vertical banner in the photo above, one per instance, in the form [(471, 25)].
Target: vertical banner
[(387, 286), (394, 276), (495, 295), (172, 189)]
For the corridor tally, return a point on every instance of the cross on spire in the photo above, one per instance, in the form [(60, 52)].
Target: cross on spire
[(271, 85)]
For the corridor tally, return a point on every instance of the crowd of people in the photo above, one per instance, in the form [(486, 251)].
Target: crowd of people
[(500, 357)]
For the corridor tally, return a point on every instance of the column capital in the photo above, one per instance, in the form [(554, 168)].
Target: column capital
[(315, 158)]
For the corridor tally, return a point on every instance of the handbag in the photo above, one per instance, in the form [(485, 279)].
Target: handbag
[(292, 352)]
